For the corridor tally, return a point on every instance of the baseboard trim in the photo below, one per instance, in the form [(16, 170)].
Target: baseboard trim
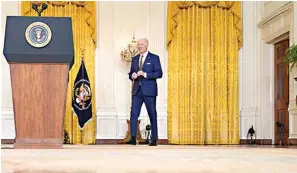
[(98, 141), (258, 141), (292, 141), (165, 141), (7, 141), (119, 141)]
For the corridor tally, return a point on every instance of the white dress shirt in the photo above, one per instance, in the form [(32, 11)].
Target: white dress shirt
[(144, 57)]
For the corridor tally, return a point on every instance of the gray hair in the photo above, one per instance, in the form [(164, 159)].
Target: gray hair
[(144, 39)]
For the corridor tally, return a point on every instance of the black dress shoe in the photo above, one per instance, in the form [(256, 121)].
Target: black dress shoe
[(132, 141), (153, 143)]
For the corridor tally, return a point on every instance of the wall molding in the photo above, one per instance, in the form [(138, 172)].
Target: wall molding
[(165, 142), (8, 124), (279, 37), (114, 126), (292, 120), (110, 124), (276, 27), (258, 141), (118, 141), (287, 8), (267, 2), (292, 141)]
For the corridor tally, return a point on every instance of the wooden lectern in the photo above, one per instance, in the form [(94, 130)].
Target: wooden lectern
[(40, 52)]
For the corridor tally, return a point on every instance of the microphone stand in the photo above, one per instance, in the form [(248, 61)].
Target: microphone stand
[(148, 137)]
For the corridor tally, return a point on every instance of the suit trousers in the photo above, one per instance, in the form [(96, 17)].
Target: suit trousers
[(150, 104)]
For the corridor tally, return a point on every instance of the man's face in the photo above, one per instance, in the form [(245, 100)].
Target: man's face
[(142, 46)]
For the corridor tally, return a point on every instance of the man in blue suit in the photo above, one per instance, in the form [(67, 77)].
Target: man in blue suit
[(145, 69)]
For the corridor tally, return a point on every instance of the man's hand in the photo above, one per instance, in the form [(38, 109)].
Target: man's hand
[(134, 75), (140, 73)]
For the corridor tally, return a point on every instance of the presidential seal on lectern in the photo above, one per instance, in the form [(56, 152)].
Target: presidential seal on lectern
[(38, 34)]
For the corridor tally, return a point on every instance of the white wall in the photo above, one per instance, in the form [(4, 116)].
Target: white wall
[(256, 91), (116, 23)]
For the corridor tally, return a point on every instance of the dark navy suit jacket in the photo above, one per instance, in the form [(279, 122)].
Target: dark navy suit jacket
[(152, 68)]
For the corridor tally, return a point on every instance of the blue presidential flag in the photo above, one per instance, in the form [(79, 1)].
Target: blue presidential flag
[(82, 96)]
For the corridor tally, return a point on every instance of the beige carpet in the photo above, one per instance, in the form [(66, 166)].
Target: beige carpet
[(144, 159)]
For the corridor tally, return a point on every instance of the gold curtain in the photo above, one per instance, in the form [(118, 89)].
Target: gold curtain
[(83, 14), (203, 39)]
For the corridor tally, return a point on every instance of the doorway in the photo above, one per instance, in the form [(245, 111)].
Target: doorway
[(281, 92)]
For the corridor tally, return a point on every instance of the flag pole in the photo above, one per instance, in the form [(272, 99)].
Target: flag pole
[(83, 74), (83, 70)]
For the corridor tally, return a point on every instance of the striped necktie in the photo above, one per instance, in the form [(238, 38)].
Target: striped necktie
[(140, 62)]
